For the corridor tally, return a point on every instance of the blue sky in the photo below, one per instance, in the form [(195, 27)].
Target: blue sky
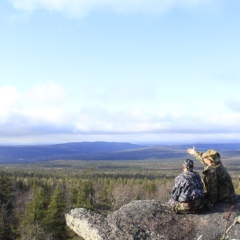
[(163, 71)]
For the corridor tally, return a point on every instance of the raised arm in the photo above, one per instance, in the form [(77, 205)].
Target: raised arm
[(191, 150), (197, 155)]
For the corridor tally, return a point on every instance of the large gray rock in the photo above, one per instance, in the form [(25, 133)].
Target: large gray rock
[(152, 220)]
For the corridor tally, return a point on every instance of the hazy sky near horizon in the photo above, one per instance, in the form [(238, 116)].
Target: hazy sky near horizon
[(126, 71)]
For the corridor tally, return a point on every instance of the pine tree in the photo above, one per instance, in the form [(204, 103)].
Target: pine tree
[(104, 198), (55, 219), (35, 209), (6, 207), (85, 197), (31, 223)]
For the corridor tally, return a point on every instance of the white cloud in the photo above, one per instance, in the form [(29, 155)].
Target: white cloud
[(8, 98), (82, 7), (233, 105), (49, 115), (28, 5), (143, 121), (46, 94), (43, 102), (44, 110)]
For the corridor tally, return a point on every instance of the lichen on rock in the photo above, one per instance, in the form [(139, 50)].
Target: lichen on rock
[(153, 220)]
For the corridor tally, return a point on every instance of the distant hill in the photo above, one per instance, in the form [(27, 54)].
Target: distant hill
[(76, 150), (105, 151)]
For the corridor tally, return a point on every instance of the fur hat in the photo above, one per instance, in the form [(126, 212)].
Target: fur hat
[(212, 154)]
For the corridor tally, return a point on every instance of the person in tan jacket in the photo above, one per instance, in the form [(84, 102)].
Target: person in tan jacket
[(216, 179)]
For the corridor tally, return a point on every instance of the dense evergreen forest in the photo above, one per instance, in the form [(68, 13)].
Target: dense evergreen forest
[(35, 197)]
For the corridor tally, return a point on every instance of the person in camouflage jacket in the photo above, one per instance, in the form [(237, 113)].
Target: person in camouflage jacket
[(187, 192), (217, 181)]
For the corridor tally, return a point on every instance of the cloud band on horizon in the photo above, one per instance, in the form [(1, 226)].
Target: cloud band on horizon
[(43, 110)]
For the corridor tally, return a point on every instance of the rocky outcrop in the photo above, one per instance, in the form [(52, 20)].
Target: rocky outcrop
[(88, 224), (152, 220)]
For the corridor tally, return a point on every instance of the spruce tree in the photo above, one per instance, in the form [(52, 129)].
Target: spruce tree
[(85, 197), (35, 209), (54, 218), (104, 198), (31, 222), (7, 219)]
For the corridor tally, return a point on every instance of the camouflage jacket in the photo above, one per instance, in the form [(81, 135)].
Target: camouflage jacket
[(217, 181), (188, 186)]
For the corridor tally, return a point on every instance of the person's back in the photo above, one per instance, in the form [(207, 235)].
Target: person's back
[(187, 192), (187, 187)]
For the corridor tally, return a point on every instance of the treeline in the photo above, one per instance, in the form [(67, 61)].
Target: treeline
[(33, 205)]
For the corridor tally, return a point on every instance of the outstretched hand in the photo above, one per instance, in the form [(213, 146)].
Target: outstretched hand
[(191, 150)]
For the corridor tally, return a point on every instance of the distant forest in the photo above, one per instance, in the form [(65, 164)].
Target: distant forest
[(34, 196)]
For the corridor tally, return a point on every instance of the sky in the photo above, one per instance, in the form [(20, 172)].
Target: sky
[(139, 71)]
